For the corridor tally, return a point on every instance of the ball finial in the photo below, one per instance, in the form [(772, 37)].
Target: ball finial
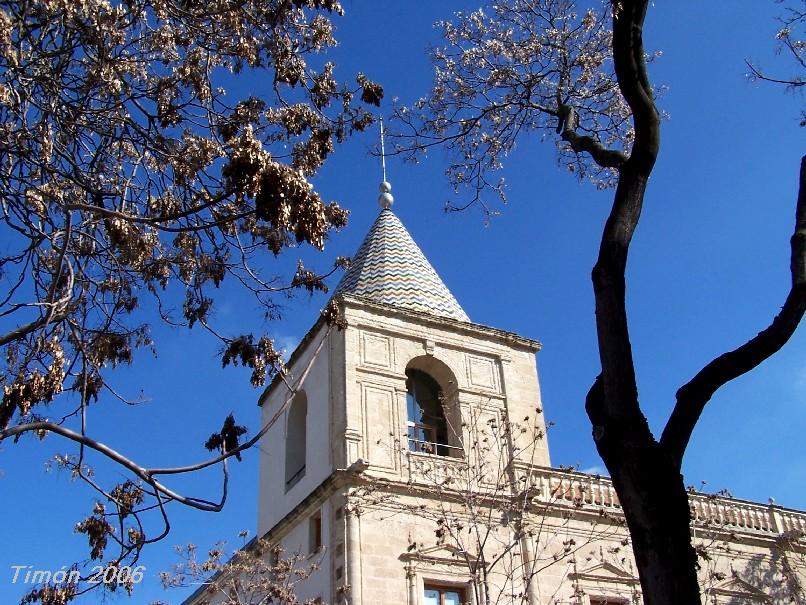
[(385, 199)]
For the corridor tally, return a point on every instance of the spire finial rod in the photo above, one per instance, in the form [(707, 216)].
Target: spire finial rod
[(383, 153), (385, 199)]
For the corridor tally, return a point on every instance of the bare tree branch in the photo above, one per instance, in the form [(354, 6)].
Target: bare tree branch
[(696, 393), (606, 158), (133, 184)]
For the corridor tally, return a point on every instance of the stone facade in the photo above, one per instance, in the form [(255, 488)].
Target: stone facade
[(481, 516), (382, 501)]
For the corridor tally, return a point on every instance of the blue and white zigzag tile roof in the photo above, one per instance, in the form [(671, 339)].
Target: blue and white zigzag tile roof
[(390, 268)]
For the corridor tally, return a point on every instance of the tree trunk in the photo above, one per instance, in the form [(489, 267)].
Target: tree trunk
[(655, 504), (645, 472), (648, 483)]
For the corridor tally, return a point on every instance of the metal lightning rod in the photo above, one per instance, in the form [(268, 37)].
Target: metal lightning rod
[(385, 199), (383, 153)]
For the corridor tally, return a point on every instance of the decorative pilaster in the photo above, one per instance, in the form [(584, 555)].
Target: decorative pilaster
[(528, 557), (353, 560), (411, 580)]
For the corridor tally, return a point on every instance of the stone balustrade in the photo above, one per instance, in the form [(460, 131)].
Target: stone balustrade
[(567, 487), (553, 485)]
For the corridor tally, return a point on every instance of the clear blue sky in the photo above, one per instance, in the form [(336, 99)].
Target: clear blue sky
[(709, 268)]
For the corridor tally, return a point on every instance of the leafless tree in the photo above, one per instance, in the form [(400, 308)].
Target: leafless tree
[(260, 573), (791, 43), (490, 512), (775, 575)]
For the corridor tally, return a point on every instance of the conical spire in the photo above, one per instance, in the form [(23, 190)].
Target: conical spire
[(390, 268)]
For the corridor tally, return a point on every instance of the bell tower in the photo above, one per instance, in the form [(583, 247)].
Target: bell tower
[(397, 387)]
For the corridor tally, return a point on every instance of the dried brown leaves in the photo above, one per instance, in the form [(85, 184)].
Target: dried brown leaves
[(134, 185)]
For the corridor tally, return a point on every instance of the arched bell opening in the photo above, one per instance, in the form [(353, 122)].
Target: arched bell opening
[(434, 423)]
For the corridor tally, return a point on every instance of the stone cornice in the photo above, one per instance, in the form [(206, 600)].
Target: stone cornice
[(474, 329), (298, 352)]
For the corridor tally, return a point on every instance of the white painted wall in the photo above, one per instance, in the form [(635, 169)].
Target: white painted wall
[(296, 540), (274, 502)]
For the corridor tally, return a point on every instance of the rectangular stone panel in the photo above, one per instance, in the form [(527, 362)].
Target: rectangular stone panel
[(376, 350), (482, 372), (379, 418)]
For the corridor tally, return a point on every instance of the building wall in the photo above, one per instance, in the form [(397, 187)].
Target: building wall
[(574, 555), (297, 539), (578, 547), (275, 501)]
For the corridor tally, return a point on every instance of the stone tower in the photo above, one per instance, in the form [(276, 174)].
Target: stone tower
[(384, 400)]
